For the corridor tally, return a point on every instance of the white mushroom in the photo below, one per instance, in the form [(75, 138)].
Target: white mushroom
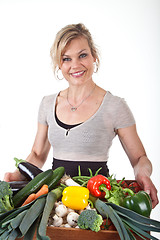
[(88, 207), (57, 221), (72, 218), (67, 225), (61, 210), (57, 203), (70, 210)]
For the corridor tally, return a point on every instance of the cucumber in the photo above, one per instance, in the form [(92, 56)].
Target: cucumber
[(56, 176), (33, 186)]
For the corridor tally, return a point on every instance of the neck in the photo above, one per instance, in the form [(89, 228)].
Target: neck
[(78, 93), (75, 106)]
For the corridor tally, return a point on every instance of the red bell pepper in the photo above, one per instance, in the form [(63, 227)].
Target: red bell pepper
[(98, 186)]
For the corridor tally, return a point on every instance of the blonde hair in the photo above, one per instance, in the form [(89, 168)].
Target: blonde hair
[(64, 36)]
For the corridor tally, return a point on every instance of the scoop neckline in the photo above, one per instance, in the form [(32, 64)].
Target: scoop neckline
[(82, 123)]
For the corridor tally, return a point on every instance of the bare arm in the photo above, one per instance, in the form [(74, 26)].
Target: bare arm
[(40, 147), (141, 164), (38, 153)]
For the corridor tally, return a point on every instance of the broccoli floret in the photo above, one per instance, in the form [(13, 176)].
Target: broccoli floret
[(89, 219), (6, 193)]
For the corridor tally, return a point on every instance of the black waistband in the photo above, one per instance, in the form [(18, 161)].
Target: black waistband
[(71, 167)]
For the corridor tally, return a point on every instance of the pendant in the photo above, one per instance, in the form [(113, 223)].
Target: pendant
[(73, 109)]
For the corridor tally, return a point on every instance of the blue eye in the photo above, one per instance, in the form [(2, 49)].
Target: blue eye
[(66, 59), (83, 55)]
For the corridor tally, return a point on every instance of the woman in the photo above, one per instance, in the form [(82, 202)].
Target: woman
[(81, 121)]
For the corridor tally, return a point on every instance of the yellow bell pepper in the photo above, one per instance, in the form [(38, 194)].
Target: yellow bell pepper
[(75, 197)]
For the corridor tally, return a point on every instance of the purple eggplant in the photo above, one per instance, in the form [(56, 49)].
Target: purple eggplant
[(17, 185), (27, 169)]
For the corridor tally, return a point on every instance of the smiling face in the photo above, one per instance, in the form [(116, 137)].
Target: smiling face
[(77, 62)]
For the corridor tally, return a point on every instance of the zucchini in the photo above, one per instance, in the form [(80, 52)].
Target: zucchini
[(56, 176), (33, 186)]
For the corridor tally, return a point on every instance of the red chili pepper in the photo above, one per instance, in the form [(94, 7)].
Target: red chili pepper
[(98, 183)]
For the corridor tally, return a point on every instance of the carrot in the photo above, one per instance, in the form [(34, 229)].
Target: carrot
[(29, 199), (43, 190)]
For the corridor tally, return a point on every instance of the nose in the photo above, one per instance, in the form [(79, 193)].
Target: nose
[(75, 63)]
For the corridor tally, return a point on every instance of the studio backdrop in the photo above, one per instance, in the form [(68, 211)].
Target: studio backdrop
[(127, 34)]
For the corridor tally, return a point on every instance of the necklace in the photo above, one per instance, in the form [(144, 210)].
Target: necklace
[(74, 108)]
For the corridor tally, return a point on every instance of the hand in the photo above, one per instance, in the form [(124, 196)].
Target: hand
[(148, 186), (14, 176)]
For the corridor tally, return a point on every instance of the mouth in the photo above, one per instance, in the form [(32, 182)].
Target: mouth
[(77, 74)]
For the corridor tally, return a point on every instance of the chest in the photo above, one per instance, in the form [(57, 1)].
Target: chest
[(81, 113)]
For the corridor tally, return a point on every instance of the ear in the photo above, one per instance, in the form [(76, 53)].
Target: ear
[(60, 65)]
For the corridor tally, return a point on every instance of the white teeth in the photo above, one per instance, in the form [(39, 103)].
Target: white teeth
[(77, 74)]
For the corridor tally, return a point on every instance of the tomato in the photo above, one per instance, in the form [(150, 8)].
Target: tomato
[(104, 225), (135, 187), (108, 225), (111, 226), (124, 184)]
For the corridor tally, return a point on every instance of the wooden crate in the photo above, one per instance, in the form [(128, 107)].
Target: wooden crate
[(59, 233)]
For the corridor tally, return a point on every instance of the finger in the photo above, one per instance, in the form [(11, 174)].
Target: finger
[(148, 191), (154, 197), (155, 200), (6, 177)]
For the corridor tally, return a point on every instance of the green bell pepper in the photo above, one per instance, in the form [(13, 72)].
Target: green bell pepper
[(138, 202)]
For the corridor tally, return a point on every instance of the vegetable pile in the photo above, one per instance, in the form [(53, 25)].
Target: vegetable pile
[(51, 198)]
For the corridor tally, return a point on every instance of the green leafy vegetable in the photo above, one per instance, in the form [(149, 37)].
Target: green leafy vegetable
[(117, 193), (6, 203), (50, 202)]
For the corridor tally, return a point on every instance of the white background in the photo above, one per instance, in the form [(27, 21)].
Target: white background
[(128, 36)]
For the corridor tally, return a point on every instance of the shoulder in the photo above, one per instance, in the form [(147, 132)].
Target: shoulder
[(115, 104), (49, 99), (47, 103), (113, 99)]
